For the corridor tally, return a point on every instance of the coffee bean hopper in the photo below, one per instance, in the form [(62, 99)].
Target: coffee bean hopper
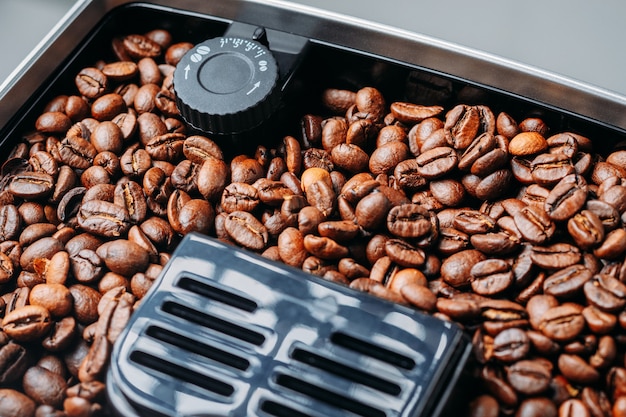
[(225, 332)]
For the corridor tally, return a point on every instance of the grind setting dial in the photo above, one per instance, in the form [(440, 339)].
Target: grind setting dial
[(227, 85)]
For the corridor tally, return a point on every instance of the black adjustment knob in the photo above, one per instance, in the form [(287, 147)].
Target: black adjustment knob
[(227, 85)]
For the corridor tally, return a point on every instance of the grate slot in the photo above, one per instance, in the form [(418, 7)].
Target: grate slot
[(214, 323), (198, 348), (176, 371), (280, 410), (375, 351), (321, 394), (217, 294), (345, 371)]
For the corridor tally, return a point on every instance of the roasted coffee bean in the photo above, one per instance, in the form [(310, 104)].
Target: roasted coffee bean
[(14, 360), (103, 218), (246, 230), (562, 323), (55, 298), (385, 158), (534, 224), (77, 152), (566, 198), (123, 257), (527, 143), (461, 126), (556, 256), (605, 292), (27, 323), (491, 276), (130, 196), (567, 282), (436, 162), (511, 345), (529, 377), (586, 229), (575, 369), (455, 270), (91, 82), (31, 185)]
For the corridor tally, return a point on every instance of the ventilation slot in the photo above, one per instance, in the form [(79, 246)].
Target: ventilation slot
[(337, 400), (279, 410), (198, 348), (345, 371), (215, 323), (176, 371), (375, 351), (217, 294)]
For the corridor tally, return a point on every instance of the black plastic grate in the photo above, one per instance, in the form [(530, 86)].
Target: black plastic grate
[(214, 323)]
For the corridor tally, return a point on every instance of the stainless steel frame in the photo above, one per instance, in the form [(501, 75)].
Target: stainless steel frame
[(528, 82)]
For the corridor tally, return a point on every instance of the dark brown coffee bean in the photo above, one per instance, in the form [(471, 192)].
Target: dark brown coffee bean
[(491, 276), (534, 224), (409, 221), (562, 323), (10, 222), (15, 404), (436, 162), (567, 282), (27, 323), (511, 345), (14, 360), (61, 336), (86, 266), (321, 195), (566, 198), (455, 270), (196, 215), (529, 377), (103, 218), (212, 178), (605, 292), (586, 229), (461, 126), (55, 298), (91, 82), (199, 148), (498, 386), (473, 222), (537, 407), (44, 386), (385, 158), (271, 192), (246, 230), (43, 248), (77, 152), (130, 196), (123, 257), (120, 70), (614, 245), (31, 185), (575, 369), (452, 241), (324, 247), (556, 256), (484, 406)]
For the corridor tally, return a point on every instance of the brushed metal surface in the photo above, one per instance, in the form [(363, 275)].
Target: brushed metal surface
[(517, 78)]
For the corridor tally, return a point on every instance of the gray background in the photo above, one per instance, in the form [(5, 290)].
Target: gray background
[(579, 39)]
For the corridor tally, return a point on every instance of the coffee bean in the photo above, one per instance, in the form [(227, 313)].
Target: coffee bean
[(103, 218), (529, 377), (246, 230), (91, 82), (562, 323), (123, 257), (27, 323)]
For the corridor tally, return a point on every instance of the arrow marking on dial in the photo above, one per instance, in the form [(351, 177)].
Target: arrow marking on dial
[(256, 85)]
